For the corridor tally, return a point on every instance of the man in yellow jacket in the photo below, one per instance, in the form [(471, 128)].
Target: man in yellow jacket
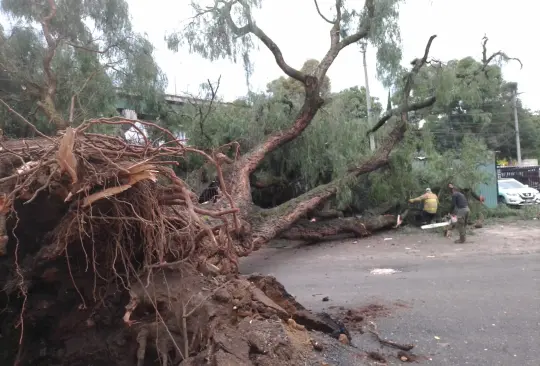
[(431, 203)]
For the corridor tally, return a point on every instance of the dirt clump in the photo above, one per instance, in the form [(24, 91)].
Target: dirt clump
[(376, 356), (373, 311), (354, 319)]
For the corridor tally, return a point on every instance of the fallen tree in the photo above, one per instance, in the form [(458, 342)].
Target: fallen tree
[(314, 231), (97, 224)]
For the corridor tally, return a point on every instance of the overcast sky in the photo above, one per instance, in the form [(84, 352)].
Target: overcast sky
[(301, 34)]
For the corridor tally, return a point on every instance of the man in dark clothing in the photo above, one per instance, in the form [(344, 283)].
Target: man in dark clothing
[(460, 208)]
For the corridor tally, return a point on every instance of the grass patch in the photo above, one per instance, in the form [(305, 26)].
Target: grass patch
[(503, 211)]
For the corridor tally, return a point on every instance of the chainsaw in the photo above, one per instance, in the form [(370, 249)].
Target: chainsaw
[(449, 220)]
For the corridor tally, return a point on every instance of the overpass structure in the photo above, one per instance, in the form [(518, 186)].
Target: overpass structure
[(125, 106)]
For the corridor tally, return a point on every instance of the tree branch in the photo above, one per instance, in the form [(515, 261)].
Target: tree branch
[(203, 115), (428, 102), (48, 93), (336, 45), (251, 160), (405, 107), (321, 14), (312, 98), (279, 218), (487, 60), (252, 28)]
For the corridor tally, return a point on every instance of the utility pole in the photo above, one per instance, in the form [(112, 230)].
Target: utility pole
[(516, 124), (363, 48)]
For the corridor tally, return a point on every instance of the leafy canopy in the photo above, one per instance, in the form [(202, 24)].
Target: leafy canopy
[(59, 51), (217, 32), (474, 99)]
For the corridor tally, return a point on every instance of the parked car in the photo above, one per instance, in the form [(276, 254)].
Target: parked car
[(514, 193)]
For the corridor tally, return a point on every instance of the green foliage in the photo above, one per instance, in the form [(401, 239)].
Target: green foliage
[(502, 212), (334, 141), (408, 177), (385, 36), (217, 32), (95, 52), (473, 100), (210, 35)]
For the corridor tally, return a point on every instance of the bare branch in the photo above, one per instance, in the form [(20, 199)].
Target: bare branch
[(252, 28), (336, 45), (405, 107), (198, 102), (213, 96), (321, 14), (487, 60), (402, 109)]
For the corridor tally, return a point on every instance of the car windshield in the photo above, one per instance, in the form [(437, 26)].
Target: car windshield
[(510, 184)]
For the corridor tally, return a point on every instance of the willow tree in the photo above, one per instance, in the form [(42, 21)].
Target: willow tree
[(473, 98), (62, 61), (229, 30)]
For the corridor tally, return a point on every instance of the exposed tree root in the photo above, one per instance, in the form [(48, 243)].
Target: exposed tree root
[(119, 265)]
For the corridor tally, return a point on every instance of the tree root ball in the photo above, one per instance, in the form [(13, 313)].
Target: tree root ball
[(172, 314)]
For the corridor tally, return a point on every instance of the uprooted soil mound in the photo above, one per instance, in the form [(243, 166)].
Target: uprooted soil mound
[(107, 259), (213, 320)]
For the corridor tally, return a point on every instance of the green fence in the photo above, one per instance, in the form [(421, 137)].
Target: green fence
[(489, 189)]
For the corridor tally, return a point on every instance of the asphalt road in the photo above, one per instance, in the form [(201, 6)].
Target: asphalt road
[(465, 305)]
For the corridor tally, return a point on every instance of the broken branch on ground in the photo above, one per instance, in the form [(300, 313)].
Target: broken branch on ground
[(372, 328)]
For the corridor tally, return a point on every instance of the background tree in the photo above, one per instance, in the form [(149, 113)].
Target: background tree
[(474, 99), (57, 69)]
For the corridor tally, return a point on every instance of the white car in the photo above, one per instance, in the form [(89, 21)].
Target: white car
[(513, 193)]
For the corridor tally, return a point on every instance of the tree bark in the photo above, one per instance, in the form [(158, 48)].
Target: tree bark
[(326, 230), (328, 214)]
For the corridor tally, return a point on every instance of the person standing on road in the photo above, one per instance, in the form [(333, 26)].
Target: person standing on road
[(460, 208), (431, 203)]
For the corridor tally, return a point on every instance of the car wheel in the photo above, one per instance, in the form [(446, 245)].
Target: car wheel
[(501, 199)]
